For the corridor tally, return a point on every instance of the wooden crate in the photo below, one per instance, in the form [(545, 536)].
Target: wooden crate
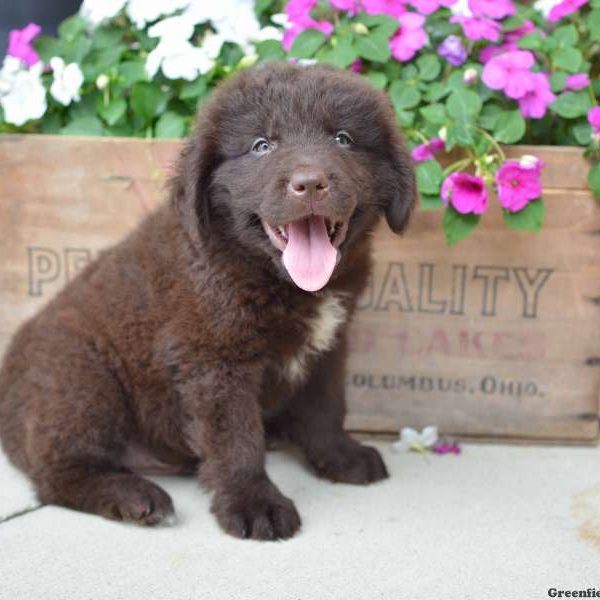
[(498, 337)]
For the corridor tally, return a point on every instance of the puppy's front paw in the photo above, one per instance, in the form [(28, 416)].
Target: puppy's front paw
[(350, 462), (259, 511)]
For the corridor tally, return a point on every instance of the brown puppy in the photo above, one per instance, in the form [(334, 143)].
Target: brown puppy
[(221, 319)]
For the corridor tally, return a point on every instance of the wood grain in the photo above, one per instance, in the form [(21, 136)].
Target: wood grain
[(497, 337)]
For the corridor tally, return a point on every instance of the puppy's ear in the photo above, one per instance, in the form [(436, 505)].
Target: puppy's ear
[(402, 196), (191, 185)]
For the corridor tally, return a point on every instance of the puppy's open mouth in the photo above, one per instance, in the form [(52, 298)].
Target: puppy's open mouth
[(310, 247)]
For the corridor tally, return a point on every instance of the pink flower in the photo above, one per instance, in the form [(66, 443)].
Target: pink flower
[(351, 6), (410, 38), (446, 448), (428, 7), (479, 28), (356, 66), (393, 8), (467, 193), (427, 151), (489, 52), (577, 82), (510, 72), (519, 183), (594, 118), (512, 37), (565, 8), (19, 43), (534, 103), (298, 12), (494, 9)]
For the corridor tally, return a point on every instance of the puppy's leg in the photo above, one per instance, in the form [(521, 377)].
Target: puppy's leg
[(226, 429), (76, 426), (314, 420)]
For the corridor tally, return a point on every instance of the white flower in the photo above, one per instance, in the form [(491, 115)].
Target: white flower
[(67, 81), (443, 133), (180, 27), (470, 76), (178, 59), (528, 161), (282, 20), (211, 44), (411, 439), (142, 12), (102, 81), (461, 8), (22, 94), (240, 25), (269, 33), (96, 11), (545, 6)]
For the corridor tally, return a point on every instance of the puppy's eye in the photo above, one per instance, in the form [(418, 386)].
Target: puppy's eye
[(343, 138), (261, 146)]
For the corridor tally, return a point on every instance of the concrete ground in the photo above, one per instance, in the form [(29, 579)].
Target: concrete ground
[(496, 522)]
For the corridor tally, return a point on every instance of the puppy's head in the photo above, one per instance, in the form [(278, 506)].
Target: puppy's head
[(295, 164)]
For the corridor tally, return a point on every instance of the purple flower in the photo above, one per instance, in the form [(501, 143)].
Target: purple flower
[(446, 448), (577, 82), (510, 72), (427, 151), (410, 38), (479, 28), (594, 119), (356, 66), (519, 184), (565, 8), (19, 43), (466, 193), (453, 50), (534, 103), (494, 9)]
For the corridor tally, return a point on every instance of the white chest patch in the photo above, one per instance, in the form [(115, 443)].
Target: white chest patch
[(331, 313)]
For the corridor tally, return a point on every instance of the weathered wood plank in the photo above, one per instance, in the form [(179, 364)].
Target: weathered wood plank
[(497, 337)]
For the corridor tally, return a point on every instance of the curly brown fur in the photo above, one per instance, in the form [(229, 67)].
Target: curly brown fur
[(180, 348)]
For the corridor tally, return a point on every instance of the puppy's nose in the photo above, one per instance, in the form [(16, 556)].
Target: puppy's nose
[(309, 184)]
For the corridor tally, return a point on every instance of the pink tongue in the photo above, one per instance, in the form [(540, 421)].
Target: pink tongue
[(309, 256)]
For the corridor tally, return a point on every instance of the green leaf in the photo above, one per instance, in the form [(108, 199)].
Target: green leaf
[(460, 132), (489, 116), (532, 41), (566, 36), (429, 67), (382, 24), (457, 226), (463, 104), (71, 27), (47, 47), (307, 43), (436, 91), (510, 127), (572, 105), (147, 100), (373, 47), (406, 118), (434, 113), (568, 59), (269, 50), (262, 6), (558, 80), (429, 177), (132, 71), (83, 126), (404, 96), (194, 89), (105, 37), (582, 132), (170, 125), (593, 23), (430, 202), (531, 218), (379, 80), (594, 180), (112, 111), (344, 53)]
